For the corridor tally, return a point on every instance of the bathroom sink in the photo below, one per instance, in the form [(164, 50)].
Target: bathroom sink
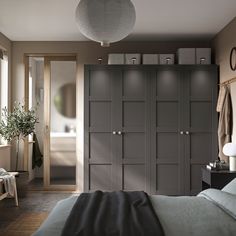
[(62, 135)]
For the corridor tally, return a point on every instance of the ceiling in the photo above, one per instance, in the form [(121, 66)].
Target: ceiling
[(54, 20)]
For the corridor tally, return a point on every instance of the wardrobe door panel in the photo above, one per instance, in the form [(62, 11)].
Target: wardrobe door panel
[(134, 155), (134, 114), (201, 85), (201, 150), (100, 177), (134, 146), (167, 176), (195, 176), (134, 177), (134, 84), (100, 114), (167, 146), (99, 140), (167, 86), (100, 147), (166, 140), (200, 124), (168, 114), (201, 115), (100, 84)]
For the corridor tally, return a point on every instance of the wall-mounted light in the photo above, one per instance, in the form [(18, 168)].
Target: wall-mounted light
[(202, 59), (100, 60), (133, 60), (168, 60)]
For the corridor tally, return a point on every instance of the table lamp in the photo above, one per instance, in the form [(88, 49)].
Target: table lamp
[(229, 149)]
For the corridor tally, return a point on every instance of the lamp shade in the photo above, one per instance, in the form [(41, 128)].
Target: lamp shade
[(105, 21), (229, 149)]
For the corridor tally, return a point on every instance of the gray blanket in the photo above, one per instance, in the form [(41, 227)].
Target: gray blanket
[(211, 213), (112, 214)]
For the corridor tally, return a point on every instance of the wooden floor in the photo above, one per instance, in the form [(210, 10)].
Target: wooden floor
[(32, 211)]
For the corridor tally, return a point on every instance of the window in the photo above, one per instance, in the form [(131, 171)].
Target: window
[(3, 82)]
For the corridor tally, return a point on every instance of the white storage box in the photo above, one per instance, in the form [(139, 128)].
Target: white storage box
[(203, 55), (116, 59), (186, 56), (134, 59), (167, 59), (150, 59)]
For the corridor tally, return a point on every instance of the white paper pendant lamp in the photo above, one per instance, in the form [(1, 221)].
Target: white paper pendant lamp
[(105, 21)]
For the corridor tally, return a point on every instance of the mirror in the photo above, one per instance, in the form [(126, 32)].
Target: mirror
[(65, 100)]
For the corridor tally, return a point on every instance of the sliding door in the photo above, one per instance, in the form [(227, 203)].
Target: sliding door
[(60, 122)]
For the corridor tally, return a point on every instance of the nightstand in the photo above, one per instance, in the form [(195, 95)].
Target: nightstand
[(216, 179)]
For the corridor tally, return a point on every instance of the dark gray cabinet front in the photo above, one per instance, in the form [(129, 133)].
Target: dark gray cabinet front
[(133, 105), (167, 144), (99, 141), (116, 129), (149, 128), (200, 124)]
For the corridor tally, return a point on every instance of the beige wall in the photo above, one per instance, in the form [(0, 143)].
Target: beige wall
[(88, 53), (222, 45), (6, 44)]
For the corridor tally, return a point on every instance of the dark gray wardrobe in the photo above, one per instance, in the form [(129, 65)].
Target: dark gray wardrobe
[(149, 128)]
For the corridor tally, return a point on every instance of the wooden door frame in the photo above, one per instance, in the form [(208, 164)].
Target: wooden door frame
[(46, 160)]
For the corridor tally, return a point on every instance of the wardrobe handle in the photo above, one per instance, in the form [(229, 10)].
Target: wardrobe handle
[(114, 132), (187, 132), (181, 132)]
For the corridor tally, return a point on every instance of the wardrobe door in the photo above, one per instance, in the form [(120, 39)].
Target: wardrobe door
[(99, 138), (200, 123), (166, 133), (133, 107)]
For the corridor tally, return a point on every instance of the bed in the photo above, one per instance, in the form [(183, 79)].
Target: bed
[(211, 213)]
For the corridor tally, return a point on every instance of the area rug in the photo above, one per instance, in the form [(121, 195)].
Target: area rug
[(26, 224)]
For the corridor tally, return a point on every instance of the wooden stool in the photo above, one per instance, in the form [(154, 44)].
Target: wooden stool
[(4, 195)]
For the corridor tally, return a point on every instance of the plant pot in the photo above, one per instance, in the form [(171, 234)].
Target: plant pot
[(22, 183)]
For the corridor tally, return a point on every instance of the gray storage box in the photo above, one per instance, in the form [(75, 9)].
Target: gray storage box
[(132, 58), (167, 59), (203, 55), (186, 56), (116, 59), (150, 59)]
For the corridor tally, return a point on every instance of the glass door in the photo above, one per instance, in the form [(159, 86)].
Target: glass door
[(60, 122)]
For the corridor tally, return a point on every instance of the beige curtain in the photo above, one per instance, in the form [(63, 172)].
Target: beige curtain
[(225, 120)]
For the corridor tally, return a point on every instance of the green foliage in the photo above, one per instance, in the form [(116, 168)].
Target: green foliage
[(18, 123)]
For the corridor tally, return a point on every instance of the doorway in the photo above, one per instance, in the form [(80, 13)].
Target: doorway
[(51, 88)]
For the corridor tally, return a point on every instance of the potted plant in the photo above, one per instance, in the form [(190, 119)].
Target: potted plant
[(16, 126)]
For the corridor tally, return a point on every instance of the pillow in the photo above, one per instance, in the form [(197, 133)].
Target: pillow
[(230, 187)]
